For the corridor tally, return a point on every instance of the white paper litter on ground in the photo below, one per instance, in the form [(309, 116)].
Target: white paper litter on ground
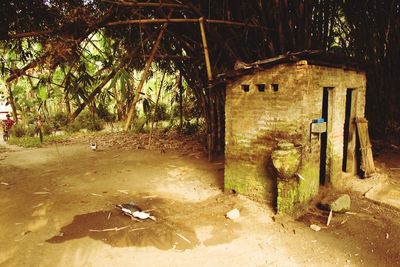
[(233, 214)]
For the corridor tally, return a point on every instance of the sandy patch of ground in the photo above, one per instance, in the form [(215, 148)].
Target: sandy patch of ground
[(58, 210)]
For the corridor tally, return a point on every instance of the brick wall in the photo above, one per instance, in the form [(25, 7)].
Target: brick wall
[(256, 121)]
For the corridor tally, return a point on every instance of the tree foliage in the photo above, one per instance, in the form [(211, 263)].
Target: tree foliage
[(89, 41), (373, 33)]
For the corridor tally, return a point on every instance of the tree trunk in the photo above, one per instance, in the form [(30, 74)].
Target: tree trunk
[(143, 78), (180, 87), (97, 89), (155, 110), (67, 105)]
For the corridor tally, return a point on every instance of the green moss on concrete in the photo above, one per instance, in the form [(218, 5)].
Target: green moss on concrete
[(287, 196), (308, 188), (295, 193), (252, 181), (286, 162), (257, 183)]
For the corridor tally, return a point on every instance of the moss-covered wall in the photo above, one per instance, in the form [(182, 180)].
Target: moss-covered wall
[(256, 121)]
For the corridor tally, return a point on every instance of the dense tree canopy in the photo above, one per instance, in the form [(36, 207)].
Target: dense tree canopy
[(82, 45)]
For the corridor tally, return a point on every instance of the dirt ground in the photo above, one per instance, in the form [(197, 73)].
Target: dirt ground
[(58, 209)]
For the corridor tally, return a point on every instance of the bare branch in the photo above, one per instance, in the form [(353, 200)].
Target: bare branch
[(146, 4), (143, 21), (29, 34), (211, 21), (150, 21)]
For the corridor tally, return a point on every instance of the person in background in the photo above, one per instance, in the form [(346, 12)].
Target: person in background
[(7, 125)]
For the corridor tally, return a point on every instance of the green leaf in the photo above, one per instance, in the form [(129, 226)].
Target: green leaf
[(18, 89), (42, 93)]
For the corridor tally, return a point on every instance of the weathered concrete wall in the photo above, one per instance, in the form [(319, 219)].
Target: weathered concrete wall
[(256, 121), (339, 80)]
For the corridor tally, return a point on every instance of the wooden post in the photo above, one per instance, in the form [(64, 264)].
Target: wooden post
[(180, 87), (155, 111), (367, 160), (213, 128), (205, 47), (219, 134), (143, 78), (210, 78)]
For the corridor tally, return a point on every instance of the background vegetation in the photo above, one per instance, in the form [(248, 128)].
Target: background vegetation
[(60, 57)]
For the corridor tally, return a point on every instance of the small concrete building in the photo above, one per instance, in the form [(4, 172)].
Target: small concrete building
[(303, 102)]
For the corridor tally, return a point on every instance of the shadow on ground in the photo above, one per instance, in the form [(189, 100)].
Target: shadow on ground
[(174, 227)]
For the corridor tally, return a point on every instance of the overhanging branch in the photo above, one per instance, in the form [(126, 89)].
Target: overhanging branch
[(29, 34), (179, 20), (143, 21), (146, 4)]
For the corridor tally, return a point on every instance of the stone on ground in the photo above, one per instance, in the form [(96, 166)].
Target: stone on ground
[(336, 203), (341, 204), (233, 214)]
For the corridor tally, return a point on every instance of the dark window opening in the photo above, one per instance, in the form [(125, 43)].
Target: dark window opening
[(347, 122), (275, 87), (245, 87), (324, 137), (261, 87)]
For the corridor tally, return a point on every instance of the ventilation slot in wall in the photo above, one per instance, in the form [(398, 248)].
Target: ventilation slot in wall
[(245, 87), (261, 87), (275, 87)]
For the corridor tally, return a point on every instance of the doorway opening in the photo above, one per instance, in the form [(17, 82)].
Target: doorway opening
[(346, 132), (351, 155), (324, 165)]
